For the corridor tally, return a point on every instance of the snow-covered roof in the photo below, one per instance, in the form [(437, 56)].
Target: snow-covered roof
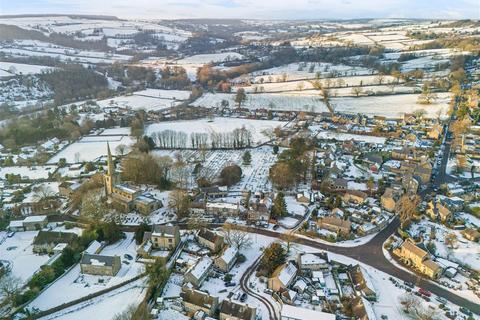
[(35, 219), (93, 247), (293, 312), (287, 274), (222, 205), (311, 259), (202, 266), (229, 254)]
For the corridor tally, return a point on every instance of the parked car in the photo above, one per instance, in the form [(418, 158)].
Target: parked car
[(465, 311), (243, 297), (409, 284), (127, 256), (424, 292), (441, 300), (230, 284), (275, 227), (10, 234)]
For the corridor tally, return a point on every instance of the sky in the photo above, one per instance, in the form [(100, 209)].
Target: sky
[(251, 9)]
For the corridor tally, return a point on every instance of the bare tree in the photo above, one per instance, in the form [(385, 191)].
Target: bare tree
[(407, 208), (451, 240), (92, 205), (236, 238), (357, 91), (410, 302), (179, 202), (10, 286), (121, 149)]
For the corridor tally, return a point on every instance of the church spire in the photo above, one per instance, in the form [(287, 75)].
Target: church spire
[(109, 161)]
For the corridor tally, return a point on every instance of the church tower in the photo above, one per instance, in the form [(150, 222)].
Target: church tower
[(110, 176)]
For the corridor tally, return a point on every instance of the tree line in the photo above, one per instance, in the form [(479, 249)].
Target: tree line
[(170, 139)]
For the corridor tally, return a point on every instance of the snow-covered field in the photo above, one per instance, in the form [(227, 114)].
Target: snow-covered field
[(257, 128), (391, 106), (148, 100), (294, 71), (212, 57), (20, 68), (17, 250), (90, 148), (32, 173)]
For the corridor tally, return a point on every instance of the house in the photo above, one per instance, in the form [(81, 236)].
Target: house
[(435, 132), (16, 225), (196, 300), (389, 199), (210, 240), (66, 188), (337, 184), (146, 204), (235, 310), (289, 312), (362, 282), (45, 241), (313, 261), (471, 234), (373, 161), (223, 209), (335, 224), (354, 196), (164, 237), (418, 258), (214, 192), (197, 273), (304, 197), (437, 211), (227, 259), (100, 265), (259, 211), (282, 277), (32, 223)]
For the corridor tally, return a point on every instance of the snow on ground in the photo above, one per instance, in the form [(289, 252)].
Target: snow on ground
[(90, 148), (217, 287), (295, 72), (327, 135), (20, 68), (390, 106), (74, 284), (254, 176), (137, 102), (32, 173), (167, 94), (17, 250), (106, 306), (218, 125), (294, 207), (208, 58)]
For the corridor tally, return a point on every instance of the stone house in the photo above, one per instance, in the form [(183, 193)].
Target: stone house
[(313, 261), (235, 310), (45, 241), (335, 224), (418, 258), (196, 300), (282, 277), (210, 240), (101, 265), (226, 260), (164, 237), (197, 273)]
